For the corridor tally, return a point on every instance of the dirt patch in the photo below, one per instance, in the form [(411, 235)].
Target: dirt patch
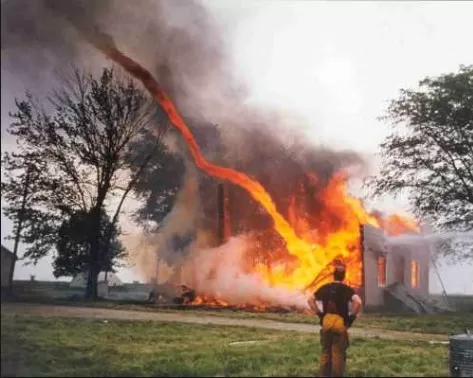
[(101, 313)]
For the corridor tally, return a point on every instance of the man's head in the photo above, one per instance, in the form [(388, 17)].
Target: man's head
[(339, 272)]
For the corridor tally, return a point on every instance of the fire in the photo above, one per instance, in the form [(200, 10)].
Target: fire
[(397, 224), (310, 253), (414, 273), (253, 187), (334, 240), (295, 245)]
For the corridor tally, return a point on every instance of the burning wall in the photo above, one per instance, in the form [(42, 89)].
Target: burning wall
[(389, 261), (243, 272)]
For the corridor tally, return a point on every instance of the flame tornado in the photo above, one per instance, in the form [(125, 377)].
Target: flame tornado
[(294, 244)]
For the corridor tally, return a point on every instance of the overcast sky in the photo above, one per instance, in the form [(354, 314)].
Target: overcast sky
[(335, 63)]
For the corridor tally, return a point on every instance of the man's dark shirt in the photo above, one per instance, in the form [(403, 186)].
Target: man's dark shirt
[(339, 294)]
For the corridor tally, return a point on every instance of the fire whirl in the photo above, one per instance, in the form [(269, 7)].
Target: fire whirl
[(314, 251), (295, 245)]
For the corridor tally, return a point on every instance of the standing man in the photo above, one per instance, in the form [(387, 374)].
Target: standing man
[(337, 306)]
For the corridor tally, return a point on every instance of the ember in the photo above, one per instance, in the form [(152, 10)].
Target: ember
[(306, 262)]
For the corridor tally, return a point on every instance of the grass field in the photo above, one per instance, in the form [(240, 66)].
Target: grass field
[(35, 346), (436, 324), (447, 324)]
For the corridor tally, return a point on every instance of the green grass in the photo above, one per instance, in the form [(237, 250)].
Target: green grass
[(36, 346), (446, 324)]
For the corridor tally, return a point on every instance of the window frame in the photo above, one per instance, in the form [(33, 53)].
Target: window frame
[(384, 270), (415, 274)]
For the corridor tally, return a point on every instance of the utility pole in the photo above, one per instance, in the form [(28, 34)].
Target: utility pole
[(223, 213), (19, 226)]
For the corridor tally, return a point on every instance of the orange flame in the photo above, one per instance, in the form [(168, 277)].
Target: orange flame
[(333, 239), (397, 224), (314, 250), (295, 245)]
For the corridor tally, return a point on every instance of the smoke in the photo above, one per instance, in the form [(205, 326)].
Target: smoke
[(220, 273), (168, 245), (179, 41), (183, 45), (466, 236)]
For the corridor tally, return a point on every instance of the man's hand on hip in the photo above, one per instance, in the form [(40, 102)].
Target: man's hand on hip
[(351, 320)]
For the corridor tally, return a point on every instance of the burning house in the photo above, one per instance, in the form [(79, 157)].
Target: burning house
[(395, 272), (301, 223), (390, 271)]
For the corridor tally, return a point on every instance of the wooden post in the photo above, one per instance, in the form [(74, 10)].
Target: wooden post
[(223, 220), (362, 252)]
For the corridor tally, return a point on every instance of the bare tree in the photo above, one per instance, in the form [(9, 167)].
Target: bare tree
[(86, 146)]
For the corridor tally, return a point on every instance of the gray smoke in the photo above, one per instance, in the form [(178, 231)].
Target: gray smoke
[(466, 236), (181, 43), (177, 40), (219, 273)]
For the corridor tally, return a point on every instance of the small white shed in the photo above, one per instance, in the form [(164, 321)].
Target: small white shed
[(112, 280)]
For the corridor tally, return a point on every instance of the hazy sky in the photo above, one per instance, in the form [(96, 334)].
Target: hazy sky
[(337, 64)]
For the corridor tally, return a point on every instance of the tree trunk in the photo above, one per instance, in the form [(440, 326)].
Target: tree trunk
[(158, 260), (18, 230), (94, 253), (92, 280)]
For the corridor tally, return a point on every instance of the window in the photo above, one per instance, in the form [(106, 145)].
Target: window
[(399, 267), (381, 271), (414, 274)]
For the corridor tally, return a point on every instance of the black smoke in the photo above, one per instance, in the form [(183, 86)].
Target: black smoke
[(183, 45)]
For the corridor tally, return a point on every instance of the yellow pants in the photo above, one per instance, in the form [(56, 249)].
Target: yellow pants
[(334, 347)]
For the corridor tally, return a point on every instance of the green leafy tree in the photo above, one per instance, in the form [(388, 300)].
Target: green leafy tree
[(21, 178), (72, 247), (429, 152)]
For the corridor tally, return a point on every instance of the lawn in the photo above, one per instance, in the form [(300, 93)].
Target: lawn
[(36, 346), (454, 323), (446, 324)]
